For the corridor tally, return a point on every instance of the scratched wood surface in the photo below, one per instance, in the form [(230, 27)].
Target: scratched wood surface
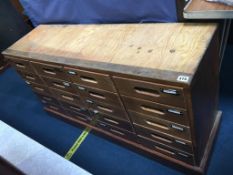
[(174, 47)]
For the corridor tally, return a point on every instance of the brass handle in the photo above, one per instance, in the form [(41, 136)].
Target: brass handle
[(30, 77), (88, 79), (161, 138), (184, 155), (47, 98), (39, 89), (105, 109), (148, 92), (59, 85), (157, 125), (156, 111), (96, 95), (117, 132), (111, 121), (180, 142), (170, 91), (164, 150), (175, 111), (67, 98), (177, 128), (48, 71), (19, 65), (53, 107), (75, 108)]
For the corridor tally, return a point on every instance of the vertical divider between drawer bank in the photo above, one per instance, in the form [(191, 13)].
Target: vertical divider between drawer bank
[(123, 105)]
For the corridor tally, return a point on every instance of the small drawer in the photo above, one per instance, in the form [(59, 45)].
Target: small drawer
[(153, 109), (66, 97), (60, 84), (91, 79), (106, 109), (150, 91), (78, 116), (165, 139), (161, 125), (45, 99), (180, 155), (76, 109), (165, 150), (116, 131), (100, 95), (114, 122), (41, 89), (49, 70), (30, 77), (22, 65)]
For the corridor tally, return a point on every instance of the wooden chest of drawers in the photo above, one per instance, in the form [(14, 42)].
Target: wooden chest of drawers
[(153, 87)]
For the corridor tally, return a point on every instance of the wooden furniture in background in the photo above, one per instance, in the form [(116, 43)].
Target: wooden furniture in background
[(152, 87)]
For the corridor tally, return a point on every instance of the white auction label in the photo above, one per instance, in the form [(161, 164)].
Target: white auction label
[(183, 78)]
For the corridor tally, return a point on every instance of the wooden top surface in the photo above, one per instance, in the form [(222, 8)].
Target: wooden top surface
[(201, 9), (174, 47)]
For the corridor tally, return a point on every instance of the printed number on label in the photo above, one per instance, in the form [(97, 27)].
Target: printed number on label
[(183, 78)]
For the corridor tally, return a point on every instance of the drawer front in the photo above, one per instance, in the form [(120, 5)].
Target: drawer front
[(78, 116), (160, 148), (156, 110), (76, 109), (49, 70), (66, 97), (106, 109), (55, 108), (116, 131), (22, 65), (60, 84), (161, 125), (165, 139), (45, 99), (150, 91), (100, 95), (30, 77), (114, 122), (41, 89), (91, 79)]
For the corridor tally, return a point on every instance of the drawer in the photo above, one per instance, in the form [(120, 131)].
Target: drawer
[(41, 89), (91, 79), (161, 125), (55, 108), (106, 109), (66, 97), (30, 77), (22, 65), (45, 99), (78, 116), (49, 70), (165, 139), (153, 109), (100, 95), (60, 84), (114, 122), (76, 109), (150, 91), (116, 131), (163, 149)]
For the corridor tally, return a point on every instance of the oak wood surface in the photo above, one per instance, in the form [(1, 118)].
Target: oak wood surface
[(196, 9), (172, 47)]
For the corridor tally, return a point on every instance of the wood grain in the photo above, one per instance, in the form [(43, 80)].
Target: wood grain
[(196, 9), (172, 47)]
